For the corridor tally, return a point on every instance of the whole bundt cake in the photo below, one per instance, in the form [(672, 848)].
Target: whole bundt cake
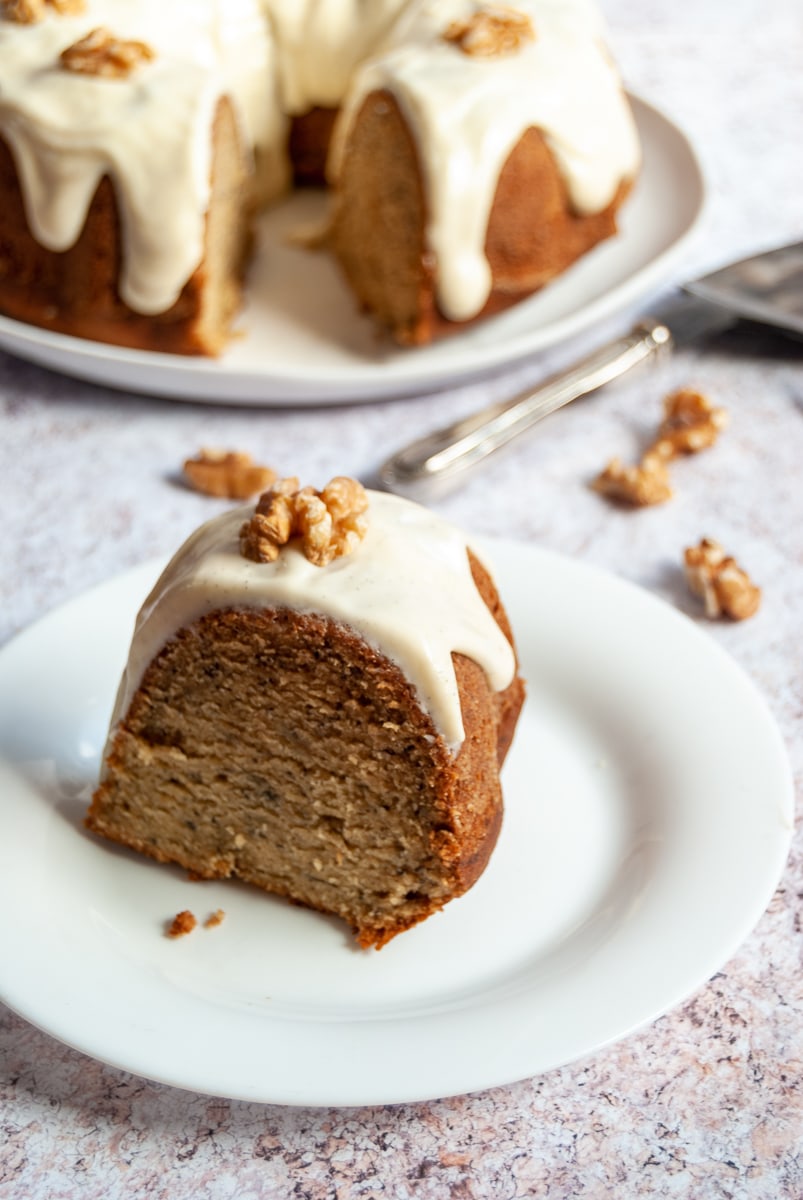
[(473, 150)]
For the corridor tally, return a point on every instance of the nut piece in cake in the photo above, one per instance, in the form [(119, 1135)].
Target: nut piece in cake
[(227, 473), (725, 588)]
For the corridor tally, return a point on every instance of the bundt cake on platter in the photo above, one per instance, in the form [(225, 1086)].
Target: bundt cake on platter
[(473, 151)]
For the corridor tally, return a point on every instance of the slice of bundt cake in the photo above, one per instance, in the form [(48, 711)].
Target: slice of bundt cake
[(318, 699)]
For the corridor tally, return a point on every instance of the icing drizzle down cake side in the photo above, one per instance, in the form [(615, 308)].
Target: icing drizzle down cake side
[(467, 113)]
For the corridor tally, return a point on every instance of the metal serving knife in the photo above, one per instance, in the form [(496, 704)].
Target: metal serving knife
[(767, 287)]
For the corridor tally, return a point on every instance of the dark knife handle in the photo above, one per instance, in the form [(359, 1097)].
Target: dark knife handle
[(434, 464)]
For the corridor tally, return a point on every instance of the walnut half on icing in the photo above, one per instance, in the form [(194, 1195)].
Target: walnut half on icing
[(329, 523), (491, 32), (28, 12), (24, 12), (101, 53)]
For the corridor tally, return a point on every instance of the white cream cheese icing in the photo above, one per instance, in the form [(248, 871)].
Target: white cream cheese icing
[(407, 589), (322, 42), (150, 132), (274, 58)]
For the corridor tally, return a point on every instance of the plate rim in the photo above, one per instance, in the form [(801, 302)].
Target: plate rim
[(462, 1078), (203, 380)]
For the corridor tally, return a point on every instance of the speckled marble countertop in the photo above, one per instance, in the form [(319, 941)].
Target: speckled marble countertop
[(708, 1100)]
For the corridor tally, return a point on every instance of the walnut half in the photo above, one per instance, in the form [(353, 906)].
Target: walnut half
[(491, 31), (329, 523), (725, 589), (101, 53)]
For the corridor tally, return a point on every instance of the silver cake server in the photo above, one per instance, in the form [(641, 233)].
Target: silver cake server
[(767, 287)]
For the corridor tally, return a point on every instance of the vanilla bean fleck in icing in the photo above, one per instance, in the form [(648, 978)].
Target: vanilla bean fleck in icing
[(407, 589), (150, 133)]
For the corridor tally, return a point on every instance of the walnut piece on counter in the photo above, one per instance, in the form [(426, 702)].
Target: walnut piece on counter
[(329, 523), (724, 587), (182, 924), (641, 485), (491, 31), (690, 424), (101, 53), (227, 473)]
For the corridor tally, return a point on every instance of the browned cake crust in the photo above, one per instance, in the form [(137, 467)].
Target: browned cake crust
[(379, 221), (76, 291), (335, 791)]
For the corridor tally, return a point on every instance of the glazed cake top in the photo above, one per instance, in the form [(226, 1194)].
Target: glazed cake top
[(407, 589)]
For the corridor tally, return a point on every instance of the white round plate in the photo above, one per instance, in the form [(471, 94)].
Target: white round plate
[(648, 818), (303, 341)]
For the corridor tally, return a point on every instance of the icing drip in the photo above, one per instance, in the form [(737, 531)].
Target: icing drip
[(467, 114), (407, 589), (150, 131), (320, 44)]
